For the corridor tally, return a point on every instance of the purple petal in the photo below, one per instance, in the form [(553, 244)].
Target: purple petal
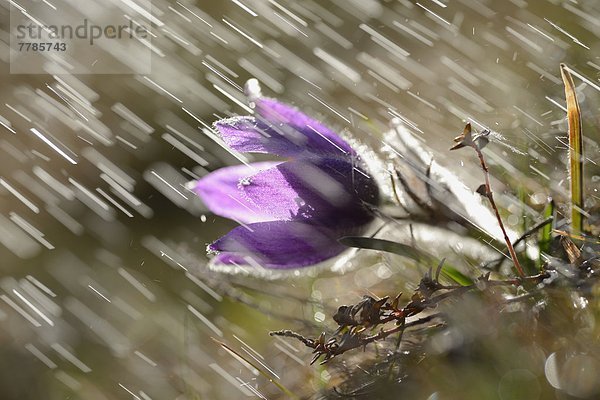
[(220, 191), (248, 135), (230, 259), (281, 130), (278, 245), (319, 138), (328, 192)]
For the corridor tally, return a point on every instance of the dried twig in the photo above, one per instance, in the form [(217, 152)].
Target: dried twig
[(476, 143), (354, 320)]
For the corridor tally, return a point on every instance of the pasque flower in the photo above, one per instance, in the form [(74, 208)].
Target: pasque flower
[(292, 212)]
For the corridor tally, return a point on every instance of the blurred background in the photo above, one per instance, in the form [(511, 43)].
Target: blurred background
[(104, 288)]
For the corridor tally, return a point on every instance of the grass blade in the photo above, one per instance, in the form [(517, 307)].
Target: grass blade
[(456, 276), (400, 249), (575, 151), (546, 234), (384, 245)]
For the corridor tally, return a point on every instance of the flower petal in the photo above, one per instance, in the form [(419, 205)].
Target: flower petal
[(220, 191), (278, 244), (319, 138), (249, 135), (230, 259), (282, 130), (328, 191)]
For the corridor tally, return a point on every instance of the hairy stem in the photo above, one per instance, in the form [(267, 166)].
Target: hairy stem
[(490, 196)]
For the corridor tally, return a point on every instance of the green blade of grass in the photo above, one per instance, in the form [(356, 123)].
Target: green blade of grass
[(530, 266), (449, 271), (546, 234), (384, 245), (575, 150), (456, 276)]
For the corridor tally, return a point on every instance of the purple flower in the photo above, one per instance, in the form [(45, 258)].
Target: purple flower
[(292, 212)]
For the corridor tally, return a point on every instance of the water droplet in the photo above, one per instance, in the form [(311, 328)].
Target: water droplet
[(319, 316)]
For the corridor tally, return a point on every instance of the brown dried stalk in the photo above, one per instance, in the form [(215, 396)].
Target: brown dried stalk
[(466, 139), (575, 150)]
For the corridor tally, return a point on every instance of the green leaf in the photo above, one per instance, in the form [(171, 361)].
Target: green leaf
[(385, 245), (406, 251), (457, 276)]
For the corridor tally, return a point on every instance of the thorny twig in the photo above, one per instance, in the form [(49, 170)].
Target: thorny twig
[(466, 139), (348, 341), (354, 320)]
